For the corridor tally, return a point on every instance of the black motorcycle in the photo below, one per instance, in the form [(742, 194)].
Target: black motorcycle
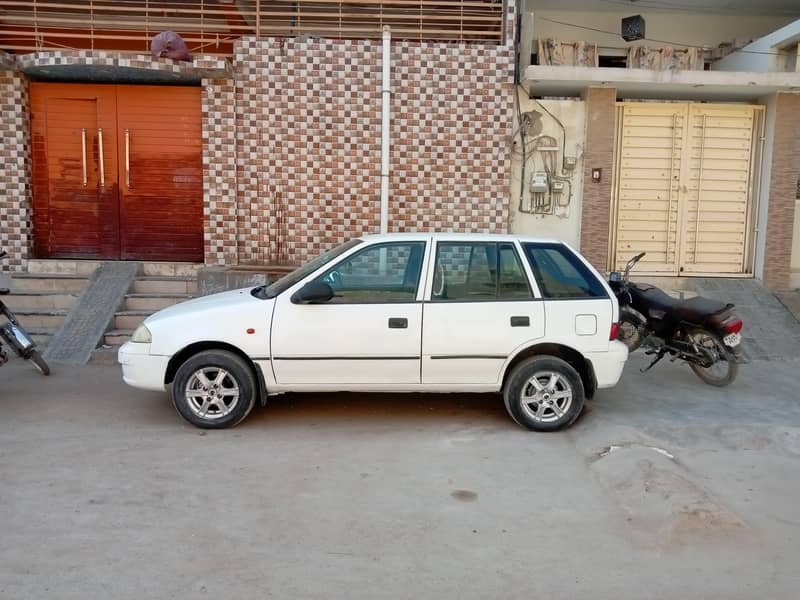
[(16, 338), (704, 333)]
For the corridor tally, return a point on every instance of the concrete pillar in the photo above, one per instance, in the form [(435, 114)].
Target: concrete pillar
[(598, 154)]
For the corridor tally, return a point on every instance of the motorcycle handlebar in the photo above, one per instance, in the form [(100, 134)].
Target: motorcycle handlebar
[(632, 262)]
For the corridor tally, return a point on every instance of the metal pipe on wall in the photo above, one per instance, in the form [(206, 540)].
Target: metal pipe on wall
[(385, 114)]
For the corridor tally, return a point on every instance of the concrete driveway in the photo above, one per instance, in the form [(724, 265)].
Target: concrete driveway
[(665, 488)]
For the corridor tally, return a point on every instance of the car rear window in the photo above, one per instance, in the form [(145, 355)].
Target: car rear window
[(561, 274)]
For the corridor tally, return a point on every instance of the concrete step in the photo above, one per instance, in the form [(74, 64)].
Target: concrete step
[(153, 302), (170, 269), (165, 285), (35, 300), (104, 356), (41, 335), (36, 282), (87, 267), (42, 318), (117, 337), (130, 319), (57, 266)]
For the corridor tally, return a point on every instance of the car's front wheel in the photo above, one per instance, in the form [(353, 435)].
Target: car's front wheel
[(214, 389), (544, 393)]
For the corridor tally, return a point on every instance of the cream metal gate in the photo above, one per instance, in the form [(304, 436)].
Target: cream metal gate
[(684, 187)]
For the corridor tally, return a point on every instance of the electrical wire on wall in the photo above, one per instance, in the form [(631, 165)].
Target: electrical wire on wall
[(550, 186)]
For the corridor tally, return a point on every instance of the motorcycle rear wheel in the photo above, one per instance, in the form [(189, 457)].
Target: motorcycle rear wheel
[(724, 369)]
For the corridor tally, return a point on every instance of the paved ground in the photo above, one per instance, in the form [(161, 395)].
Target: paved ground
[(771, 332), (665, 488)]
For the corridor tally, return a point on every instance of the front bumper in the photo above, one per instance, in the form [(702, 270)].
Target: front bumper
[(140, 369), (608, 365)]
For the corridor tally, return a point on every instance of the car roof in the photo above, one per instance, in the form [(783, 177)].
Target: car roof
[(486, 237)]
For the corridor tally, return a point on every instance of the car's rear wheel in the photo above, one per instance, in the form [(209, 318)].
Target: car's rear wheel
[(544, 393), (214, 389)]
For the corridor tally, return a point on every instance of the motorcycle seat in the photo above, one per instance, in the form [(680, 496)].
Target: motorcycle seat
[(692, 310), (4, 291), (699, 310)]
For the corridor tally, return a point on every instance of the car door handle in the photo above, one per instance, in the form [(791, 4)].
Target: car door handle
[(520, 321), (398, 323)]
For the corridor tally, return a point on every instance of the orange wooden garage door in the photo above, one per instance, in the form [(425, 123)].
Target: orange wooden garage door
[(117, 172)]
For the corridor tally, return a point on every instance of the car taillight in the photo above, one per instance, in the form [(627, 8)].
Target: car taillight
[(732, 325), (614, 331)]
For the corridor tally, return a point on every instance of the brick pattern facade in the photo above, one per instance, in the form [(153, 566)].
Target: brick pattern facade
[(219, 172), (782, 191), (308, 128), (450, 152), (598, 153), (308, 116), (16, 212)]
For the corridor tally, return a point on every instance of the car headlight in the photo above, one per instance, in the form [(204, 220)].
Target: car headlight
[(142, 335)]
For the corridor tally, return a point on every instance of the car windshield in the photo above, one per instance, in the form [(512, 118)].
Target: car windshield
[(290, 279)]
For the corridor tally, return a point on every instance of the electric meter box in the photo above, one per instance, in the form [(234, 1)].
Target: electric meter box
[(539, 183)]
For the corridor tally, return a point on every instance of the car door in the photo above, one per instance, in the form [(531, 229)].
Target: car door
[(578, 307), (480, 308), (368, 333)]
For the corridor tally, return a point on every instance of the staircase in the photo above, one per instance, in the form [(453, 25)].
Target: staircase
[(42, 297), (157, 286)]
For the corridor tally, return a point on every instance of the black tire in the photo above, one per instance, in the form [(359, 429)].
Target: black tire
[(520, 381), (39, 363), (723, 372), (630, 330), (221, 411)]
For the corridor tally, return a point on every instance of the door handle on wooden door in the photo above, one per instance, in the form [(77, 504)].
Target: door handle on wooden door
[(100, 156), (83, 156), (127, 158)]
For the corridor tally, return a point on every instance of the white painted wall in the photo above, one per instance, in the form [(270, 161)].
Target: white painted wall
[(566, 224), (750, 60), (688, 29)]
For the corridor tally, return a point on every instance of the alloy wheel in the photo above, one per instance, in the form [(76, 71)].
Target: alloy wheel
[(547, 396), (212, 393)]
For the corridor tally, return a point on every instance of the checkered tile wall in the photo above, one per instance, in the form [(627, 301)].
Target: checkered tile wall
[(308, 115), (219, 172), (15, 172)]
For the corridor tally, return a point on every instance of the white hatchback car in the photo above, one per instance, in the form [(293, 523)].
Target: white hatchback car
[(394, 313)]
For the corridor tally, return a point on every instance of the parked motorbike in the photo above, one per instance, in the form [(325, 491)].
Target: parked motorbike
[(16, 338), (704, 333)]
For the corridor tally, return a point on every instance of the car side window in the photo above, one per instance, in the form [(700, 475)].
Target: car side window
[(513, 283), (479, 271), (561, 274), (380, 273)]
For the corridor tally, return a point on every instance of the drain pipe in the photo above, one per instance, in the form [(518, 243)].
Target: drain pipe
[(385, 112)]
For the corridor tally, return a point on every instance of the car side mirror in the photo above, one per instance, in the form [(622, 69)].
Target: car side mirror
[(315, 292)]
